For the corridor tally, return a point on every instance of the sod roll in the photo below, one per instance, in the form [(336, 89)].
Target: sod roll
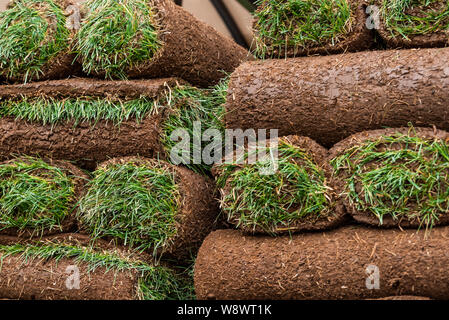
[(89, 121), (156, 38), (150, 205), (347, 263), (70, 267), (330, 98), (298, 195), (394, 177), (39, 197), (36, 41), (413, 24), (289, 28)]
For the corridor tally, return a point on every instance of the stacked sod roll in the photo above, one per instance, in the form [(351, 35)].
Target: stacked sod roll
[(90, 121)]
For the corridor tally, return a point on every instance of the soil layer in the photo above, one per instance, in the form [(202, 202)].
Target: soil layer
[(329, 98), (331, 265)]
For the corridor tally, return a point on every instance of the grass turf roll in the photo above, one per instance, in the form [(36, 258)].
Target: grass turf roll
[(331, 265), (89, 121), (39, 196), (36, 41), (414, 23), (150, 205), (156, 38), (299, 195), (329, 98), (45, 270), (289, 28), (395, 177)]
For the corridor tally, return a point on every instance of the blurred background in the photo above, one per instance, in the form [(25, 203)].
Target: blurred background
[(230, 17)]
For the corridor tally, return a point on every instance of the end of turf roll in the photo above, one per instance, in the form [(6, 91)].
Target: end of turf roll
[(38, 196), (35, 42), (150, 205), (297, 196), (395, 177)]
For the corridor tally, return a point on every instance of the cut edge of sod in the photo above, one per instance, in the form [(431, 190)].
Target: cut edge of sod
[(274, 203), (135, 201), (155, 282), (284, 24), (414, 172), (116, 36), (34, 195), (400, 23), (26, 45)]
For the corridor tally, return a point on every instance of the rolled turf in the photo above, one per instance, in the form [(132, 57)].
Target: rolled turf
[(298, 196), (89, 121), (395, 177), (150, 205), (289, 28), (156, 38), (413, 23), (45, 270), (331, 265), (39, 196), (36, 42), (329, 98)]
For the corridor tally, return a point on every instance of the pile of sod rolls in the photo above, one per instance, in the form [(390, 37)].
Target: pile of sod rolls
[(395, 179), (89, 121), (54, 39)]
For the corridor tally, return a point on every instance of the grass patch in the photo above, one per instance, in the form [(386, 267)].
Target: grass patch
[(117, 35), (33, 32), (282, 24), (52, 111), (404, 18), (34, 194), (400, 176), (134, 202), (297, 191), (155, 282), (189, 105)]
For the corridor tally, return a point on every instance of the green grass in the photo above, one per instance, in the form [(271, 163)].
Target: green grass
[(155, 282), (400, 176), (117, 35), (296, 192), (52, 111), (134, 202), (285, 24), (34, 194), (401, 23), (32, 33), (189, 105)]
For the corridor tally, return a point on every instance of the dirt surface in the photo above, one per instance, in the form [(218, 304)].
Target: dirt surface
[(197, 214), (367, 216), (358, 39), (335, 218), (329, 98), (404, 298), (331, 265), (69, 224), (191, 49)]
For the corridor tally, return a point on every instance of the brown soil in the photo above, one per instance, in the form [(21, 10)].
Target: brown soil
[(86, 143), (367, 216), (46, 279), (329, 265), (404, 298), (197, 214), (333, 219), (80, 179), (431, 40), (358, 39), (191, 49), (331, 97)]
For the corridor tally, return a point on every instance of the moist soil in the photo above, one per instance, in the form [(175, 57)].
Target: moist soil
[(329, 98), (330, 265)]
